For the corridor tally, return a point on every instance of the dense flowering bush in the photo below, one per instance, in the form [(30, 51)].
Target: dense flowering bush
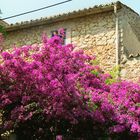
[(126, 100), (52, 90)]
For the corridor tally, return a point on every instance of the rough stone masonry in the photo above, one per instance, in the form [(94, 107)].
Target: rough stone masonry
[(111, 32)]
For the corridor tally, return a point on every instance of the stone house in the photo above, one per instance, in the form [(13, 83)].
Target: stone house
[(111, 32)]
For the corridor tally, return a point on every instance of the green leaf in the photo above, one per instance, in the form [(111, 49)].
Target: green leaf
[(3, 30), (96, 73), (138, 104), (94, 62), (115, 72)]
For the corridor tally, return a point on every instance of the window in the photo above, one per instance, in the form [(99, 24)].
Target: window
[(55, 32), (61, 34)]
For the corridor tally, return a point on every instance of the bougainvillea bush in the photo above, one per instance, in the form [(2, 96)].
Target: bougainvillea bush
[(52, 90)]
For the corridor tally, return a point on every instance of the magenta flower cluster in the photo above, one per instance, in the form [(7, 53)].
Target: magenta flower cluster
[(53, 90)]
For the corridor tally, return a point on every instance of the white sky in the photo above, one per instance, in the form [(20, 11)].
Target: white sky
[(12, 7)]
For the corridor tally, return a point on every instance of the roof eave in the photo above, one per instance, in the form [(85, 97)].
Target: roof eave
[(58, 18), (4, 23)]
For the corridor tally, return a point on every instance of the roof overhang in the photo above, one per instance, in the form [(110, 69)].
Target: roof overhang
[(65, 16), (3, 23)]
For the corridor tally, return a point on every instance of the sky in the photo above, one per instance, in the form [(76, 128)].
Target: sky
[(13, 7)]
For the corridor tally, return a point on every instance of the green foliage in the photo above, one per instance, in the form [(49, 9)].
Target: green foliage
[(3, 30), (138, 104), (115, 73), (94, 62), (95, 72)]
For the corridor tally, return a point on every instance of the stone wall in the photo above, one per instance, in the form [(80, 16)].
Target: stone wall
[(93, 33), (96, 35), (31, 35), (129, 45), (131, 69)]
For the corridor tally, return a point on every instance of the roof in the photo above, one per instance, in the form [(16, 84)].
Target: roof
[(70, 15), (3, 23), (61, 17)]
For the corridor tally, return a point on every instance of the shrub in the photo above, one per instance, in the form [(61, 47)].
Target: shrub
[(52, 90)]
